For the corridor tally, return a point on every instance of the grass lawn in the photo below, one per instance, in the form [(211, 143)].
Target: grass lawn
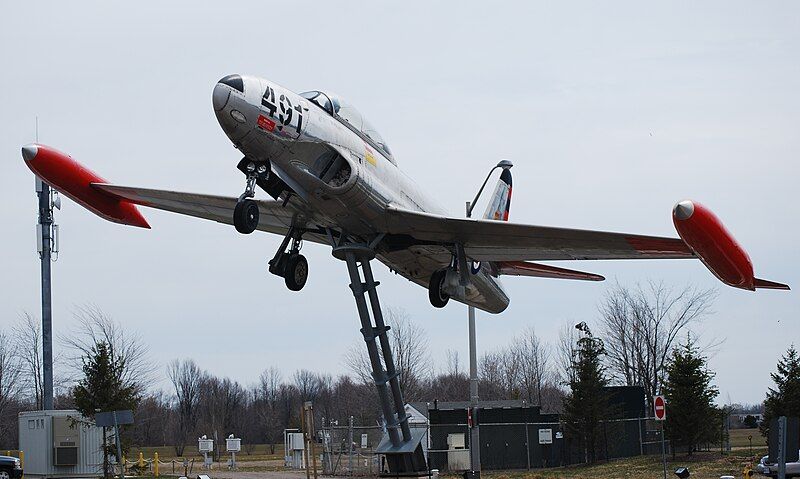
[(701, 465), (739, 438)]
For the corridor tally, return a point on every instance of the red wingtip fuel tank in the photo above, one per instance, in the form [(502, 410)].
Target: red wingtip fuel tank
[(74, 180), (704, 233)]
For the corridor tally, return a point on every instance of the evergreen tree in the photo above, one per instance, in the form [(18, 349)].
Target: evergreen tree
[(587, 402), (692, 418), (784, 400), (750, 421), (103, 388)]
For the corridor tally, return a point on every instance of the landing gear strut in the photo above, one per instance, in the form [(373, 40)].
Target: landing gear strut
[(245, 214), (291, 265)]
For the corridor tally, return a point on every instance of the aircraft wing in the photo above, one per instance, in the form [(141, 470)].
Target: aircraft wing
[(276, 217), (486, 240)]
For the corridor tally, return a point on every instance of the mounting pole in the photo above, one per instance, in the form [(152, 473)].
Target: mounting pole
[(45, 244), (401, 447), (474, 432)]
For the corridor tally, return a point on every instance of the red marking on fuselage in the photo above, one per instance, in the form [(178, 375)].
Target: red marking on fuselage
[(265, 123)]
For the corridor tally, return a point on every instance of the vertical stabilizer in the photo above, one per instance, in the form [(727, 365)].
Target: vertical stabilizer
[(500, 203)]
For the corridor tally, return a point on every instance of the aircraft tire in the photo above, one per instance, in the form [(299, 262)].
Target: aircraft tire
[(296, 273), (438, 298), (245, 216)]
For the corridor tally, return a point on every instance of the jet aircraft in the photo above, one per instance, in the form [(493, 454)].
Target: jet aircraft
[(333, 178)]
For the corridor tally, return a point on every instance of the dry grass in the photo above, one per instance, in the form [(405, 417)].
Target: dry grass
[(701, 465), (739, 438)]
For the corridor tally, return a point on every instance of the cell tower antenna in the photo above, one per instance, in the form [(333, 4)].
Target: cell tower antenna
[(47, 250)]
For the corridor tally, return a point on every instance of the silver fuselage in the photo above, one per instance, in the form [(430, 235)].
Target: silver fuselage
[(296, 135)]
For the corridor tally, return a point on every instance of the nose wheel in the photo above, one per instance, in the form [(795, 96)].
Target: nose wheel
[(245, 214)]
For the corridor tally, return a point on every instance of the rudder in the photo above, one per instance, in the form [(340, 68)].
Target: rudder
[(500, 203)]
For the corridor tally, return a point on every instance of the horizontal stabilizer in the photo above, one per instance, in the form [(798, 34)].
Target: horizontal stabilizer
[(764, 284), (526, 268)]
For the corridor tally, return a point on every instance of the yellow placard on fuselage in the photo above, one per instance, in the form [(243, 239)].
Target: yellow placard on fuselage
[(370, 156)]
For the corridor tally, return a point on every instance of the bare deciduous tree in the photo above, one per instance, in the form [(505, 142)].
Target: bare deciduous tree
[(186, 378), (220, 407), (266, 396), (566, 350), (453, 362), (489, 367), (307, 383), (10, 383), (94, 327), (533, 358), (511, 373), (410, 351), (28, 339), (640, 326)]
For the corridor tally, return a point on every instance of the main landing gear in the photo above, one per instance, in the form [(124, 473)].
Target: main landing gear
[(291, 265), (441, 287), (245, 214), (436, 293)]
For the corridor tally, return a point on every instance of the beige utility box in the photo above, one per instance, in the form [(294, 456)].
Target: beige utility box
[(60, 444), (66, 441)]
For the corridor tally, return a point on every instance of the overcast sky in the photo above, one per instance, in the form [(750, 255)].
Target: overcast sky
[(610, 112)]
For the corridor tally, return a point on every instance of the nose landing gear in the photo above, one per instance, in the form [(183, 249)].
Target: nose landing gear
[(245, 214)]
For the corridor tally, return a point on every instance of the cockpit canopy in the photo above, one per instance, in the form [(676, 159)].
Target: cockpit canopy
[(345, 112)]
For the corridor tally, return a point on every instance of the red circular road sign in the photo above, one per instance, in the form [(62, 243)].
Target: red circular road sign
[(659, 408)]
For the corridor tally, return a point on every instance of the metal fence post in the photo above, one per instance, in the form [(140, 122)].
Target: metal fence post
[(350, 446), (527, 444), (782, 447)]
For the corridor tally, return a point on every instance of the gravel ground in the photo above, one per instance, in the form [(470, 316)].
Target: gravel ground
[(225, 474)]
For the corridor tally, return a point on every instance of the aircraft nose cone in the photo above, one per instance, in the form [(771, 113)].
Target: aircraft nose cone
[(220, 96), (683, 210), (222, 90), (29, 152)]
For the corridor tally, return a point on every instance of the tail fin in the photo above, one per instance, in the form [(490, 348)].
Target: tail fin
[(500, 203)]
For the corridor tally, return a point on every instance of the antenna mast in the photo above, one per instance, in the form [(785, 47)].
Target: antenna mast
[(46, 247)]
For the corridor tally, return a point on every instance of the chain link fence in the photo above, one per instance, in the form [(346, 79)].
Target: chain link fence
[(350, 450)]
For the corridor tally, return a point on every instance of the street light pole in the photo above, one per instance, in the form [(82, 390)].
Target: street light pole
[(474, 433)]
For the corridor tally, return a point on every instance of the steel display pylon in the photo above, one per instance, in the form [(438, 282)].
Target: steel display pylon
[(402, 447)]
